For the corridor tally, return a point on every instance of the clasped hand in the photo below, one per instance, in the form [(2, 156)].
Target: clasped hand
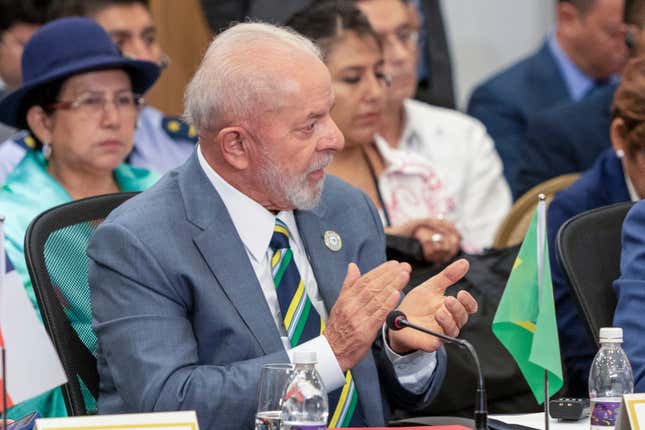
[(426, 231), (365, 301)]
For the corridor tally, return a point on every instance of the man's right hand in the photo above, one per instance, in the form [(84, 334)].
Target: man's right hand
[(361, 309)]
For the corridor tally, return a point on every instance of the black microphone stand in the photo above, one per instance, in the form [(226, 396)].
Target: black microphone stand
[(396, 320)]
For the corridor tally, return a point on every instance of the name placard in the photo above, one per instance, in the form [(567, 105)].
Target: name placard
[(632, 412), (184, 420)]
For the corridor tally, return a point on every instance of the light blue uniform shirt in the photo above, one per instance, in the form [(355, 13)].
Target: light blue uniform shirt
[(161, 143)]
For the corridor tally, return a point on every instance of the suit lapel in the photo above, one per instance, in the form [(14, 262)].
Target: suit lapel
[(224, 253), (327, 265), (546, 73), (329, 268)]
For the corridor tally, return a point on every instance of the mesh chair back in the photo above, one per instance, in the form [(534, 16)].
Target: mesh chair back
[(55, 245), (588, 248)]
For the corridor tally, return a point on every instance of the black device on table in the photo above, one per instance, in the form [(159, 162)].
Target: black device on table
[(569, 409)]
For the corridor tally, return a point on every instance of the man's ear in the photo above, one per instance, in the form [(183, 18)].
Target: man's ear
[(618, 135), (568, 19), (40, 123), (234, 143)]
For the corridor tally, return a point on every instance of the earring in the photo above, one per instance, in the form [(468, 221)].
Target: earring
[(165, 61), (47, 151), (620, 153)]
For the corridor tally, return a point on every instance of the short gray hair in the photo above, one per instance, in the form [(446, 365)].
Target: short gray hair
[(235, 77)]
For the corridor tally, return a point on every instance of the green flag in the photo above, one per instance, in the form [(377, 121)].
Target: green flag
[(525, 319)]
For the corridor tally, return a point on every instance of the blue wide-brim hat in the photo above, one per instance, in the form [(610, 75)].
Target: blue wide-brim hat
[(67, 47)]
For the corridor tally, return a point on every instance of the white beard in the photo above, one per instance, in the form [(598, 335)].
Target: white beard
[(296, 191)]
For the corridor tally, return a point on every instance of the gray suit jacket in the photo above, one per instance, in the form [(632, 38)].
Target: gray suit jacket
[(180, 316)]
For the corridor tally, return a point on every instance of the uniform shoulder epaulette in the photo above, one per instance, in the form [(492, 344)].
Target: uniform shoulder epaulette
[(24, 139), (177, 128)]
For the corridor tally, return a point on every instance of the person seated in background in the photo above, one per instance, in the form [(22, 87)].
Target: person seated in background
[(185, 305), (80, 101), (353, 55), (570, 137), (160, 142), (630, 287), (414, 198), (462, 164), (18, 21), (585, 52), (617, 176)]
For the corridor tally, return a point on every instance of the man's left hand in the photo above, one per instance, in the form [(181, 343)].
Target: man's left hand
[(428, 306)]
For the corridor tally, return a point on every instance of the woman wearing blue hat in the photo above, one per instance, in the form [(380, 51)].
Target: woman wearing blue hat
[(80, 100)]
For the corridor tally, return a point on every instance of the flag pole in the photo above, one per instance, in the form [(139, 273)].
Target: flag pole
[(4, 390), (541, 243), (546, 400), (3, 268)]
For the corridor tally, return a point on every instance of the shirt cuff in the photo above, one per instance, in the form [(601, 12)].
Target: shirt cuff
[(328, 368), (414, 371)]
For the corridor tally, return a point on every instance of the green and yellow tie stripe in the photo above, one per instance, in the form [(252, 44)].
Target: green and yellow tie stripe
[(303, 323)]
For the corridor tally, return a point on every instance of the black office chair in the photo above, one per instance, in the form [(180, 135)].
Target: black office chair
[(588, 248), (55, 246)]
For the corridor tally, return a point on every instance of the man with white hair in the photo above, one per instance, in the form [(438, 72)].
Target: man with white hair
[(248, 253)]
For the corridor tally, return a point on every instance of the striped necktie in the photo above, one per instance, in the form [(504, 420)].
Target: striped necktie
[(303, 323)]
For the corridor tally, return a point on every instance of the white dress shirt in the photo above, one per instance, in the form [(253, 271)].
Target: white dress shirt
[(468, 166), (254, 225), (633, 195)]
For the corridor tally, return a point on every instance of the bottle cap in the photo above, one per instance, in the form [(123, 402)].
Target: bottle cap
[(305, 357), (611, 334)]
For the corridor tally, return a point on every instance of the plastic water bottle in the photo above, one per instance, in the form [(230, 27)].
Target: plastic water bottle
[(610, 377), (305, 405)]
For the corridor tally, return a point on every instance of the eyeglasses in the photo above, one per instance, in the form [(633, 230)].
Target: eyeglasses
[(406, 37), (91, 104)]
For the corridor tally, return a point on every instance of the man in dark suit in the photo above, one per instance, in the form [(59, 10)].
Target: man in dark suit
[(240, 257), (616, 176), (603, 184), (587, 49), (565, 139), (570, 137)]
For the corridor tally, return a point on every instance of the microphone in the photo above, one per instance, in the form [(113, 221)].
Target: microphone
[(396, 320)]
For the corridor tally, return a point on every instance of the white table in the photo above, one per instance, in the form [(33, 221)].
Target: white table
[(537, 421)]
